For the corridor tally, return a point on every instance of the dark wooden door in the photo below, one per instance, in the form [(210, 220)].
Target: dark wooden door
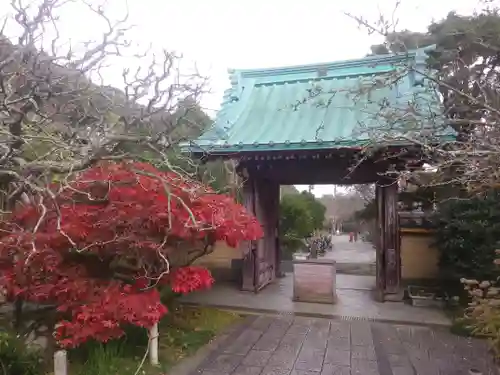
[(248, 248), (261, 197)]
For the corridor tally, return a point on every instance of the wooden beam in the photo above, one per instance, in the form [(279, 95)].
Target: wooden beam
[(410, 152), (310, 171)]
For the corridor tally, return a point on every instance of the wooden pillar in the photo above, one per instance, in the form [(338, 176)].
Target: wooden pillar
[(392, 241), (388, 243), (380, 244), (275, 209)]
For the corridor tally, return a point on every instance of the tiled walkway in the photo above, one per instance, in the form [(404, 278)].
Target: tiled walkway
[(266, 345)]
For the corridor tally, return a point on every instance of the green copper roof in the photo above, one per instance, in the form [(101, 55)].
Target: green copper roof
[(323, 106)]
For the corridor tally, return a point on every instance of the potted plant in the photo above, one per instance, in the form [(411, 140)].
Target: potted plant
[(426, 296)]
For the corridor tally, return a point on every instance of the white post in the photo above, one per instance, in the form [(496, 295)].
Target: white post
[(153, 345), (60, 363)]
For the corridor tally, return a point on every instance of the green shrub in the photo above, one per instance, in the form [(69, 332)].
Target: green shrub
[(16, 358), (467, 234), (463, 327), (300, 215)]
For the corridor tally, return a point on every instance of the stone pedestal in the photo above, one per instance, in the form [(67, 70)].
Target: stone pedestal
[(314, 281)]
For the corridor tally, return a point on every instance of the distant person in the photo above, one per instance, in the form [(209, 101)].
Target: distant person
[(351, 236), (356, 236)]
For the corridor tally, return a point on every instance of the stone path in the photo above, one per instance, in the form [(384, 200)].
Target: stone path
[(356, 258), (266, 345), (351, 252), (354, 300)]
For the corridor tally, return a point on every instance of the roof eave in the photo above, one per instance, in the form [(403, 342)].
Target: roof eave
[(208, 148)]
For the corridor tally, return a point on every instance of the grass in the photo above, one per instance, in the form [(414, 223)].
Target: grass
[(187, 328), (182, 332)]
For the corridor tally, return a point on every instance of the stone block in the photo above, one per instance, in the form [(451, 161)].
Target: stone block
[(60, 363), (314, 281)]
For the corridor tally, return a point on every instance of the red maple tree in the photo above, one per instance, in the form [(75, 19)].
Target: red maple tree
[(98, 247)]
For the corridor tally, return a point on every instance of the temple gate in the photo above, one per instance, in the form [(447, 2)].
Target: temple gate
[(309, 125)]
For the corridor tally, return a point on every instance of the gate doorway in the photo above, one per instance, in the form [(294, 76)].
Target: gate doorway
[(261, 195), (346, 211)]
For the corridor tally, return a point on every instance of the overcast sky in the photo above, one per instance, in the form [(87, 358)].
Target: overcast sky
[(223, 34)]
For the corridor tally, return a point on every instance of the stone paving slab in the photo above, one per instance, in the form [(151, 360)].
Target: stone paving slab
[(286, 345), (356, 303)]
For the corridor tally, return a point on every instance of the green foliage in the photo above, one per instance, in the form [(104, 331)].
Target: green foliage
[(316, 209), (16, 358), (295, 222), (467, 235), (462, 326), (184, 330), (462, 62), (300, 215), (369, 212)]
